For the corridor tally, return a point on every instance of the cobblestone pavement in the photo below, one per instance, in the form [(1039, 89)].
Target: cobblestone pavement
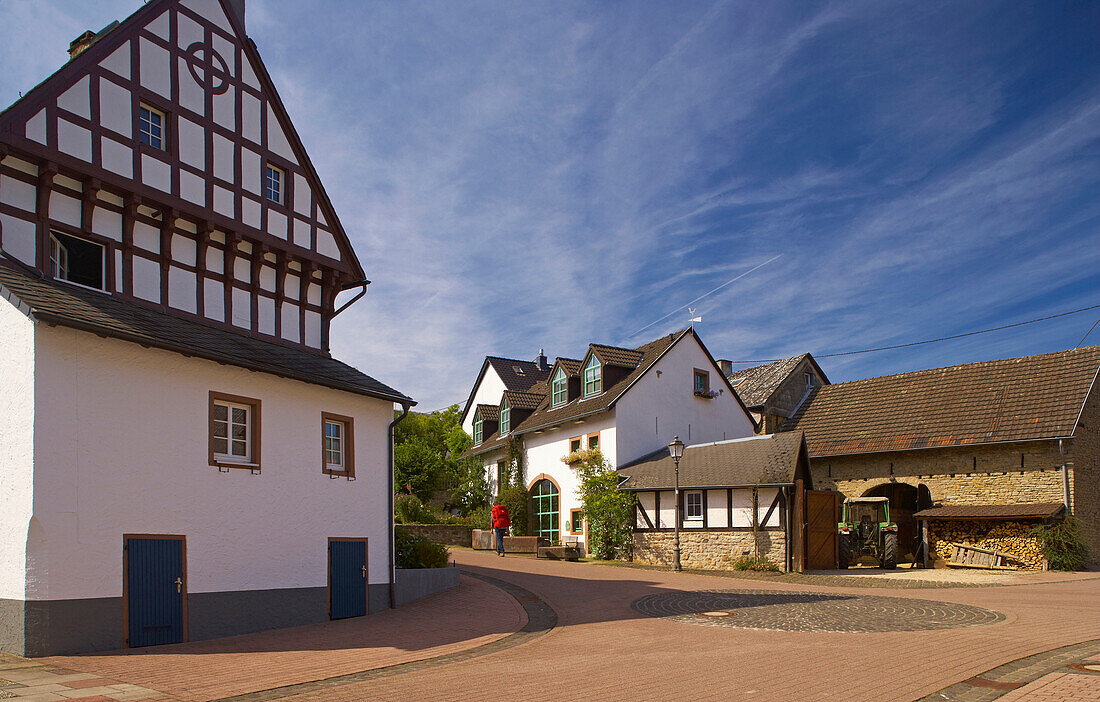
[(810, 611), (22, 680)]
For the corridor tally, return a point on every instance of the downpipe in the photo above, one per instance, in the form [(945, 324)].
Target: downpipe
[(1065, 479), (405, 406)]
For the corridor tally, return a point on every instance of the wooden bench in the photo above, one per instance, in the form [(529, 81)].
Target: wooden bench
[(967, 556)]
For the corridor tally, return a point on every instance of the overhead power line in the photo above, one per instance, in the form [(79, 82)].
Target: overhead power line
[(939, 339), (1087, 334)]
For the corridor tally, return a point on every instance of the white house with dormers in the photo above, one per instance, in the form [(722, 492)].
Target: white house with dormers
[(181, 457), (628, 402)]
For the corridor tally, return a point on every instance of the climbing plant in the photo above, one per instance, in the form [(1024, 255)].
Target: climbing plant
[(608, 510)]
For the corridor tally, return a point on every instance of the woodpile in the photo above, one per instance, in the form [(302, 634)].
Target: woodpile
[(1012, 538)]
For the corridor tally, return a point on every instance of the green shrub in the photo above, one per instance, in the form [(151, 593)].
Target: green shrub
[(412, 551), (408, 509), (1063, 545), (480, 518), (757, 563), (515, 499), (608, 510)]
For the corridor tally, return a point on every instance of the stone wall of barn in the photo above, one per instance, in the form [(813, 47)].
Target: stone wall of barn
[(1084, 453), (709, 550)]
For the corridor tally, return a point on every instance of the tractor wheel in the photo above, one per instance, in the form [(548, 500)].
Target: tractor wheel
[(845, 550), (890, 552)]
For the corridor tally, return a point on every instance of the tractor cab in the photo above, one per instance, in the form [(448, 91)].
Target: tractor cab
[(866, 530)]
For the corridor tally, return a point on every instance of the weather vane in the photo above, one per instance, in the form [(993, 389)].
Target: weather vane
[(694, 319)]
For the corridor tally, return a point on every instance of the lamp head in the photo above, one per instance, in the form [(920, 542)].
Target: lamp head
[(676, 448)]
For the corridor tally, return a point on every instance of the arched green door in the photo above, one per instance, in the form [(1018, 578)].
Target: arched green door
[(545, 509)]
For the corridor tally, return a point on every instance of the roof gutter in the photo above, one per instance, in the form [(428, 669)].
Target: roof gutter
[(926, 448), (405, 406), (704, 487)]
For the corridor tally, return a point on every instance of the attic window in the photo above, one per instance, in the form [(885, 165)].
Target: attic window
[(151, 126), (505, 417), (274, 183), (77, 261), (518, 370), (809, 379), (478, 429), (593, 379), (559, 392)]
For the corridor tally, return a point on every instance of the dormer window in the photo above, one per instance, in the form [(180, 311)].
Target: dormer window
[(593, 379), (559, 388), (505, 417), (478, 430), (77, 261)]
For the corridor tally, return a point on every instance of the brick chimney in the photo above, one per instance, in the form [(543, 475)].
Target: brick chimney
[(726, 366), (540, 361)]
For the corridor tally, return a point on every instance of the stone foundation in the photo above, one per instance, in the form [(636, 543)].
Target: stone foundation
[(1010, 538), (708, 550)]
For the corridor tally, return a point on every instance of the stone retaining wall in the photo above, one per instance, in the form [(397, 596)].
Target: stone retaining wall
[(1010, 538), (449, 534), (708, 550)]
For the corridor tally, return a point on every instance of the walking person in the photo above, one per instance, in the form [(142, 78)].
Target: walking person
[(501, 521)]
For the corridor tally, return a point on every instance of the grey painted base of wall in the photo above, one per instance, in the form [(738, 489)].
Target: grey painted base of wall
[(61, 627), (414, 583)]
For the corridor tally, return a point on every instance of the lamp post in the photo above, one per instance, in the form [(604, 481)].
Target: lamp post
[(676, 450)]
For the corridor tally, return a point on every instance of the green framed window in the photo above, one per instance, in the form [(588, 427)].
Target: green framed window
[(593, 378), (544, 509), (479, 429), (505, 417), (559, 388)]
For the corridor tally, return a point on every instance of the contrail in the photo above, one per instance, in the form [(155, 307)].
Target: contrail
[(706, 294)]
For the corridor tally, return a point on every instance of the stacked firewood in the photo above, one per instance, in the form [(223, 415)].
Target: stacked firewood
[(1011, 538)]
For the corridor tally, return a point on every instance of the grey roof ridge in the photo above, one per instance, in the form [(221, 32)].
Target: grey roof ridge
[(46, 317)]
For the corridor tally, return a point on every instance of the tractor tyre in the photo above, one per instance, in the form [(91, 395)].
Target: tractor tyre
[(890, 551), (845, 550)]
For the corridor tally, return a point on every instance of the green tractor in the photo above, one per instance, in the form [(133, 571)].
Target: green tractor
[(866, 530)]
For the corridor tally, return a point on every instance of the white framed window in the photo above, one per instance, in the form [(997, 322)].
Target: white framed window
[(693, 504), (505, 417), (559, 388), (809, 380), (78, 261), (274, 183), (593, 379), (479, 429), (337, 445), (151, 122), (231, 431)]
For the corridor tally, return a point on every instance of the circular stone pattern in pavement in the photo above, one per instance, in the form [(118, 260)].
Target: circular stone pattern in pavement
[(811, 611)]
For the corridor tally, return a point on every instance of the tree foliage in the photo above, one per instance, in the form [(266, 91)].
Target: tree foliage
[(609, 511), (427, 458)]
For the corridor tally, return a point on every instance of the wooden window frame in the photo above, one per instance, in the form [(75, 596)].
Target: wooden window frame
[(597, 378), (809, 378), (588, 441), (500, 468), (696, 374), (348, 439), (573, 521), (254, 423), (479, 430), (105, 253), (687, 502), (281, 200), (505, 421), (580, 444), (163, 114), (559, 386)]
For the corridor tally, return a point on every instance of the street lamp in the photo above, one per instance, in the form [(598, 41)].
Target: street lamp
[(676, 450)]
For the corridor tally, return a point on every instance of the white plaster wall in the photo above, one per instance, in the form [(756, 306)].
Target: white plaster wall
[(659, 408), (121, 447), (717, 515), (18, 194), (488, 392), (19, 238), (16, 446), (114, 108)]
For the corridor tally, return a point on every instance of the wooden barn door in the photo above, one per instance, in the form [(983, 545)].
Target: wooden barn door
[(347, 577), (822, 515)]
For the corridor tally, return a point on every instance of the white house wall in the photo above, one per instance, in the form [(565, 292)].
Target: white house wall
[(16, 447), (121, 447), (489, 392), (658, 408)]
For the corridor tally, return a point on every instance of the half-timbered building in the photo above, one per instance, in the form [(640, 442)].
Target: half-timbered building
[(181, 456)]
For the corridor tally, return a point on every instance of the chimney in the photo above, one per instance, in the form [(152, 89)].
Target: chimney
[(726, 366), (81, 43), (540, 361)]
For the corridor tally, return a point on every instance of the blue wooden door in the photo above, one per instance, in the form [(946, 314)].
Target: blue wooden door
[(347, 567), (155, 590)]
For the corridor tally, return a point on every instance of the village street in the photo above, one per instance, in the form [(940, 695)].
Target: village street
[(519, 626)]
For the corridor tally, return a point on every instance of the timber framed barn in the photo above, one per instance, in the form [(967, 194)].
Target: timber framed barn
[(181, 456), (979, 452)]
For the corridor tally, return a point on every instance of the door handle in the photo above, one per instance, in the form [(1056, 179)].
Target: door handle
[(179, 584), (364, 572)]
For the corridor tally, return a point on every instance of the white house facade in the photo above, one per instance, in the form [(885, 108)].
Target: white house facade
[(626, 402), (181, 456)]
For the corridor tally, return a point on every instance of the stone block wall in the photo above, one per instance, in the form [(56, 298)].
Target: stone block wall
[(449, 534), (1011, 538), (708, 550), (968, 475), (1084, 452)]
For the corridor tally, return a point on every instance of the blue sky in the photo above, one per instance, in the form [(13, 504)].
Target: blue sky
[(526, 175)]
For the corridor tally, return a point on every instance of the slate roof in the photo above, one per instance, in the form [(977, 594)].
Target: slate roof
[(488, 412), (1041, 510), (543, 416), (759, 460), (516, 374), (755, 385), (1015, 399), (67, 305), (617, 356)]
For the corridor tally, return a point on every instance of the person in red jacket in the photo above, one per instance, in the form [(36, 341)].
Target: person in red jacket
[(501, 521)]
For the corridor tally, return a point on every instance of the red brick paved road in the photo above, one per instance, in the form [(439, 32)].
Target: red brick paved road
[(603, 649)]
